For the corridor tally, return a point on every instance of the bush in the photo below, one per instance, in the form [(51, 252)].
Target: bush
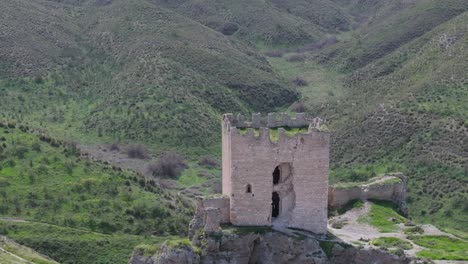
[(114, 147), (137, 151), (229, 29), (296, 58), (208, 162), (298, 107), (298, 81), (274, 53), (169, 164)]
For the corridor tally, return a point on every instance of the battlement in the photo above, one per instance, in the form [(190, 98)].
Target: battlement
[(272, 120)]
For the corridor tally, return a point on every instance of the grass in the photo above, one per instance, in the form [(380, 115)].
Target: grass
[(189, 177), (441, 247), (69, 245), (323, 84), (391, 242), (384, 216), (52, 184), (22, 252)]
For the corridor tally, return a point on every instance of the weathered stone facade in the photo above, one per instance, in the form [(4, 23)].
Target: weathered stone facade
[(280, 182)]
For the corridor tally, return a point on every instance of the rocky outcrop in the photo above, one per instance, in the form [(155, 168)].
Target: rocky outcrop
[(348, 255), (166, 255), (238, 246), (387, 187)]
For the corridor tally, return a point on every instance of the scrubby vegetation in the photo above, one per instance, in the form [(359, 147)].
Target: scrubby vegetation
[(391, 242), (71, 245), (394, 101), (48, 183), (53, 185)]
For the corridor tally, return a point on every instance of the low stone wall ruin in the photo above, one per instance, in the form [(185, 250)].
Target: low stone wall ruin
[(384, 189)]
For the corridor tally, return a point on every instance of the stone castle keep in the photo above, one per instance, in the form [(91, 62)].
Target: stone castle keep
[(275, 173), (281, 182)]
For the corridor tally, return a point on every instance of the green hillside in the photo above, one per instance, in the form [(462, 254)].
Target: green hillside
[(45, 181), (137, 73), (267, 22), (388, 77), (398, 107)]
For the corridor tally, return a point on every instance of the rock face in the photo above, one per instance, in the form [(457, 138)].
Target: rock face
[(166, 255), (268, 248)]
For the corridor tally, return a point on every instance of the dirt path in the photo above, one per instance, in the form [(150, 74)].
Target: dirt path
[(352, 231)]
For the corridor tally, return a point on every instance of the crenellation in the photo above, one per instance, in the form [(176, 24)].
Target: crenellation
[(272, 120)]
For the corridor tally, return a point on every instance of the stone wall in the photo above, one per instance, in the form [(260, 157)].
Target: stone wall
[(204, 210), (383, 188), (249, 160)]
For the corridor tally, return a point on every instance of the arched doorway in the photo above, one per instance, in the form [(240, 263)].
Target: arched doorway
[(275, 204)]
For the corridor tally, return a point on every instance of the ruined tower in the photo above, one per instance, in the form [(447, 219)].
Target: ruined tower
[(275, 171)]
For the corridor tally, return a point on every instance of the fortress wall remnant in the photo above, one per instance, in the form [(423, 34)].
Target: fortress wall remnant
[(387, 190)]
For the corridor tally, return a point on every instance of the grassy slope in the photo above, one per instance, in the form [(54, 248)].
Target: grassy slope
[(68, 245), (409, 112), (139, 73), (82, 202), (400, 108), (18, 254), (267, 22), (50, 184)]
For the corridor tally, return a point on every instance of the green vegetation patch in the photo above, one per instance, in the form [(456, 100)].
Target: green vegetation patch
[(190, 177), (70, 245), (243, 131), (327, 247), (384, 216), (441, 247), (289, 131), (391, 242), (147, 250)]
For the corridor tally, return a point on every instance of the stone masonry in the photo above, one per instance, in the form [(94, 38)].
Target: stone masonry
[(281, 182)]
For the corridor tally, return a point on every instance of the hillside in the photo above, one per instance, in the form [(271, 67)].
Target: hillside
[(132, 72), (395, 98), (389, 77), (45, 183), (13, 253)]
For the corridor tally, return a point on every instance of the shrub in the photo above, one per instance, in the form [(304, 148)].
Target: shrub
[(208, 162), (169, 164), (274, 53), (296, 58), (137, 151), (114, 147), (36, 147), (298, 107), (229, 29), (298, 81)]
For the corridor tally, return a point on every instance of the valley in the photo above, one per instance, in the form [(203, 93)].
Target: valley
[(84, 81)]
